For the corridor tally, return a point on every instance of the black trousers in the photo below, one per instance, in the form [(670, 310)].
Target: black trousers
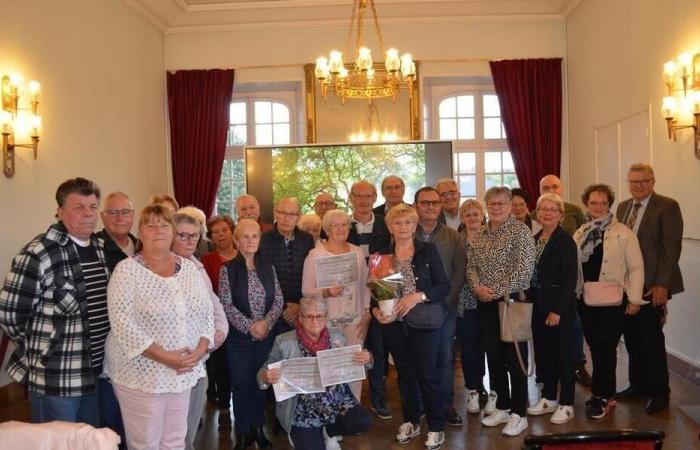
[(374, 343), (646, 347), (555, 362), (219, 386), (602, 326), (357, 420), (503, 361)]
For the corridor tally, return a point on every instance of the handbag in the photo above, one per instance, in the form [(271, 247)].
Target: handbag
[(602, 293), (516, 326), (425, 316)]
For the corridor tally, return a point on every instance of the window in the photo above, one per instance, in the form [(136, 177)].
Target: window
[(252, 121), (481, 157)]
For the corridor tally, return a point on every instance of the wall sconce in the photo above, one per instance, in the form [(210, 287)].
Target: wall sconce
[(18, 122), (685, 69)]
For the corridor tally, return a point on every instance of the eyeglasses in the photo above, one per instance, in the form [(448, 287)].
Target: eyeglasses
[(340, 225), (316, 317), (429, 202), (188, 236), (643, 182), (497, 205), (549, 210), (395, 187), (595, 204), (518, 204), (403, 223), (451, 193), (119, 212), (286, 213), (329, 203), (363, 196)]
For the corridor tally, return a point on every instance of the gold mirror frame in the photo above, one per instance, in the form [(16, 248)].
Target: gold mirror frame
[(311, 98)]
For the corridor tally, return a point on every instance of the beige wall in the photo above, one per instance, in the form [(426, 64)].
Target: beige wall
[(103, 106), (615, 53)]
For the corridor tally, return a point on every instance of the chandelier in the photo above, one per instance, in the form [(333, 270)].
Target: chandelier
[(364, 79)]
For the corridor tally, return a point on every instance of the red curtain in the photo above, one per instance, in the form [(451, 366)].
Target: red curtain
[(198, 102), (529, 93)]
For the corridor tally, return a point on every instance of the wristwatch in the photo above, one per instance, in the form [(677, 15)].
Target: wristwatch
[(423, 298)]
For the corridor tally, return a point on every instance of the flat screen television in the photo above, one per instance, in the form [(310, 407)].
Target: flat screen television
[(304, 171)]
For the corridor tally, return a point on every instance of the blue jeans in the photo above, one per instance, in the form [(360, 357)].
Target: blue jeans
[(47, 408), (355, 421), (375, 376), (469, 335), (110, 414)]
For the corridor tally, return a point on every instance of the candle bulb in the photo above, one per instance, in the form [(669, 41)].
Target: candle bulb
[(34, 87)]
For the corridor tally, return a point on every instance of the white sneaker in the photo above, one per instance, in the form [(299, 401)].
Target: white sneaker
[(544, 406), (515, 425), (331, 441), (434, 440), (496, 418), (407, 431), (563, 414), (473, 406), (491, 403)]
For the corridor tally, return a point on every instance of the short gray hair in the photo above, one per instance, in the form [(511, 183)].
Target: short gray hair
[(197, 214), (498, 190), (180, 218), (330, 216), (308, 303)]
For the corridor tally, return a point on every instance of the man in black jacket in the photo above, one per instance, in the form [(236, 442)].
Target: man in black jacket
[(393, 190), (286, 246), (117, 218)]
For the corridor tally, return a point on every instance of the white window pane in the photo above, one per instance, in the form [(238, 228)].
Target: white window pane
[(465, 106), (448, 129), (492, 128), (492, 162), (465, 128), (503, 131), (280, 112), (493, 180), (508, 165), (510, 180), (281, 133), (467, 163), (491, 106), (238, 135), (263, 113), (237, 113), (467, 185), (263, 134), (448, 108)]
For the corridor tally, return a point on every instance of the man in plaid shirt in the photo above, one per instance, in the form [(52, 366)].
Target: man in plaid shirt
[(53, 306)]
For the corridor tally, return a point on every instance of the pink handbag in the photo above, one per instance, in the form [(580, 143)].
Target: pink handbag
[(602, 293)]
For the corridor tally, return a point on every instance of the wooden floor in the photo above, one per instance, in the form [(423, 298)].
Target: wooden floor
[(681, 431)]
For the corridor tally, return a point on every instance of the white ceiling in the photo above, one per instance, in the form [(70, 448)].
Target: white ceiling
[(176, 16)]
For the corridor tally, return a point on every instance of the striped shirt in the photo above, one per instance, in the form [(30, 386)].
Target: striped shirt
[(96, 296)]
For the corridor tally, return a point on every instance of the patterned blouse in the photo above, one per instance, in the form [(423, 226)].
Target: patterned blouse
[(540, 245), (256, 300), (320, 409), (502, 259), (467, 299), (409, 279)]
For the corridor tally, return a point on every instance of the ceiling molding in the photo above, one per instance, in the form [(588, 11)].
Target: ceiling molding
[(570, 7), (137, 6)]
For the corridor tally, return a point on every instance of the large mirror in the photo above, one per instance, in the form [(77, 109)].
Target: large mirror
[(332, 121)]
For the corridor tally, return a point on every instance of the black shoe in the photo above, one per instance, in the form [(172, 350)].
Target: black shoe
[(224, 419), (582, 376), (597, 408), (452, 418), (657, 403), (243, 441), (630, 393), (380, 408)]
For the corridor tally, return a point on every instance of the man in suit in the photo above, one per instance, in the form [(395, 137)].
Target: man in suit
[(393, 190), (658, 223)]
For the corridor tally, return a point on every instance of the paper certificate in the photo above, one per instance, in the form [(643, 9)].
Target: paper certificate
[(336, 365), (336, 269), (298, 376)]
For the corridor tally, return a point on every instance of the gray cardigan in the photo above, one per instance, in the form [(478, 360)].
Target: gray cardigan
[(286, 346)]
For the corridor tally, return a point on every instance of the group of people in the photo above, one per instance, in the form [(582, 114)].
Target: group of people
[(136, 334)]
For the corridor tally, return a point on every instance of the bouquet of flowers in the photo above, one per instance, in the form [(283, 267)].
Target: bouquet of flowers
[(385, 282)]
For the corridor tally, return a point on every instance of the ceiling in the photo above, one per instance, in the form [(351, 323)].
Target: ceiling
[(179, 16)]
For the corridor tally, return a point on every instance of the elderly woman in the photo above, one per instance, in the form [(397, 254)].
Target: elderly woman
[(552, 289), (314, 421), (415, 351), (311, 223), (609, 257), (253, 301), (471, 213), (500, 261), (162, 323), (348, 305), (521, 212), (188, 228), (220, 232)]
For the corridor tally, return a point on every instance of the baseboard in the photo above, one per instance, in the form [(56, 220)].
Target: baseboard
[(685, 369), (11, 393)]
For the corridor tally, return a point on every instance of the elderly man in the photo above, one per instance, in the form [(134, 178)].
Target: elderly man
[(658, 223), (117, 218), (393, 190), (53, 305), (449, 201), (573, 219), (247, 207), (324, 202), (450, 246), (286, 246)]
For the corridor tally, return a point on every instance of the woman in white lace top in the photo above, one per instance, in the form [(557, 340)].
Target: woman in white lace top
[(162, 322)]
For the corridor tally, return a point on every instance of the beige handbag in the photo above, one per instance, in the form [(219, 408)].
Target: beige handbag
[(516, 327), (602, 293)]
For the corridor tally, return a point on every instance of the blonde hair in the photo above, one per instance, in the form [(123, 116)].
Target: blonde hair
[(164, 198), (155, 210), (401, 210), (308, 219), (471, 203), (554, 198)]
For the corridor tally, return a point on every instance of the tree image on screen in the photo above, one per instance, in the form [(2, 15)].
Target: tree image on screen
[(304, 172)]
